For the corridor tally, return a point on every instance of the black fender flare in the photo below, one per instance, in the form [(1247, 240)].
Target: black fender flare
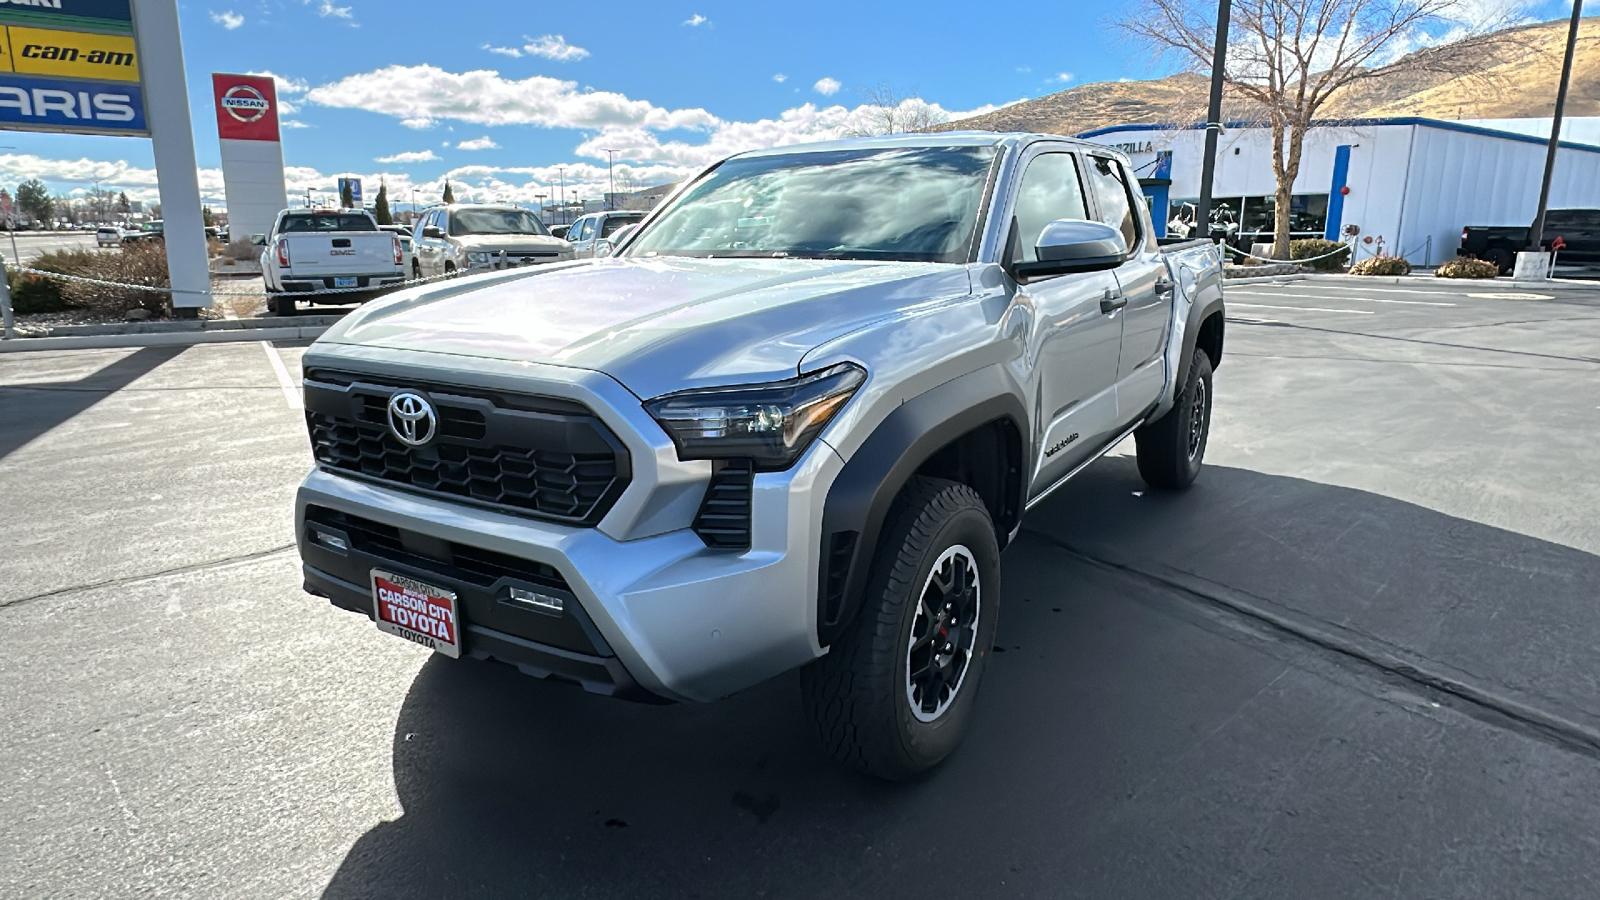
[(861, 496), (1198, 313)]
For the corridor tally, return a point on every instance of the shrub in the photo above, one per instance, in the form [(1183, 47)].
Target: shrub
[(1312, 247), (143, 263), (1466, 267), (35, 293), (1381, 265)]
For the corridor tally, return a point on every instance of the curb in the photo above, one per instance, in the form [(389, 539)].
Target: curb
[(162, 339), (191, 326), (1498, 283), (1265, 279)]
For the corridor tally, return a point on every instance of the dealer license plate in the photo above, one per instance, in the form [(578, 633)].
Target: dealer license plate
[(418, 612), (344, 282)]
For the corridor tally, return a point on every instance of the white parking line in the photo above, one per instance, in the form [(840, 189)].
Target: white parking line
[(1286, 295), (1358, 312), (291, 395)]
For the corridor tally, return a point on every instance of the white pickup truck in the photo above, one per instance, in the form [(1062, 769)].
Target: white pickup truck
[(310, 252)]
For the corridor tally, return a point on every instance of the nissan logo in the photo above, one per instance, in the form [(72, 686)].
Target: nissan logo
[(245, 103), (412, 419)]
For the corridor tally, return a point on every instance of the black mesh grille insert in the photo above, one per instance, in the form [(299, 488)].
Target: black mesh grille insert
[(551, 460), (724, 518)]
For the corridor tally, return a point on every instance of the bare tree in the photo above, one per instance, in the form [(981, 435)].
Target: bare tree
[(885, 112), (1290, 57)]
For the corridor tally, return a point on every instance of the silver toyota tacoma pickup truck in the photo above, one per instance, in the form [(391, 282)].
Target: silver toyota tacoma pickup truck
[(790, 422)]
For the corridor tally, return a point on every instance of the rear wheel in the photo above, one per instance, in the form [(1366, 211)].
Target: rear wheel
[(1171, 448), (280, 304), (1502, 258), (895, 694), (416, 270)]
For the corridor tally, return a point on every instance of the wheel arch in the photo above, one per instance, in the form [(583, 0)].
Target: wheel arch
[(1205, 330), (971, 430)]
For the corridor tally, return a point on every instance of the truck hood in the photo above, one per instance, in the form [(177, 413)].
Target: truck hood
[(493, 243), (656, 325)]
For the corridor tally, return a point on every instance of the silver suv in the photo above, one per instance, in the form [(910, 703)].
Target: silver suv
[(462, 237), (595, 227), (767, 434)]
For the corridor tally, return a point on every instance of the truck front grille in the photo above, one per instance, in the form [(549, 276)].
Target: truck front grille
[(541, 457)]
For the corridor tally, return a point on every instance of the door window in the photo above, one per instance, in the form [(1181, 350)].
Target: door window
[(1110, 184), (587, 231), (1050, 190)]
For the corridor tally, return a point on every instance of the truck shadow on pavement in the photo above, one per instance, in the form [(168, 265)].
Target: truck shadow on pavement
[(36, 409), (1095, 767)]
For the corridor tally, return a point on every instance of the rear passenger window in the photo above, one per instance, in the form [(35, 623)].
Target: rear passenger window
[(1050, 190), (1110, 185)]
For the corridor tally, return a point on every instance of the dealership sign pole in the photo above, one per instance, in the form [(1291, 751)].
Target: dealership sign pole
[(94, 67)]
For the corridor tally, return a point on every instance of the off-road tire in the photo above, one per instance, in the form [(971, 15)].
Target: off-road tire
[(1502, 258), (1172, 448), (857, 694), (280, 304)]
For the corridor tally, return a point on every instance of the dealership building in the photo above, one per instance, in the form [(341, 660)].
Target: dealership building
[(1409, 184)]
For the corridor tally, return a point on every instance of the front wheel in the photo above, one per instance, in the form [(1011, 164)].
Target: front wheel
[(895, 694), (1171, 448)]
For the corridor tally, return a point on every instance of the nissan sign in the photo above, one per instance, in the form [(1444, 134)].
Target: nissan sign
[(247, 107)]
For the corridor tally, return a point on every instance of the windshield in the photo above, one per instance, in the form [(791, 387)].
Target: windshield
[(495, 221), (615, 222), (916, 204), (327, 222)]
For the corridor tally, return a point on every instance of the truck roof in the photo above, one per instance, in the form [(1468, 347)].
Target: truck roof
[(931, 139)]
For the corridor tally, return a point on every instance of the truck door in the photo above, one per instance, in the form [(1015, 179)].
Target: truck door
[(1141, 372), (1074, 343)]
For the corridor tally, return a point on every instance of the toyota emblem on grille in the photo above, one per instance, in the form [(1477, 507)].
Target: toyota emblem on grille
[(412, 419)]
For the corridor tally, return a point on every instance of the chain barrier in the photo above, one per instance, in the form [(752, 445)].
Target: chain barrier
[(153, 289), (1343, 248)]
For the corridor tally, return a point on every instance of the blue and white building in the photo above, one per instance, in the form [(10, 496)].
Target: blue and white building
[(1410, 183)]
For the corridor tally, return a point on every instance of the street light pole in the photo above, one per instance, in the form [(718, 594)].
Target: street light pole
[(1208, 164), (1536, 234), (612, 193), (562, 170)]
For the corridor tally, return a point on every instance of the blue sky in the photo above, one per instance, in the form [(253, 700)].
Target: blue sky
[(495, 94)]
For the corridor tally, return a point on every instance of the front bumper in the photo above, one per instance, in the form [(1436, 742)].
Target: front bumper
[(664, 617)]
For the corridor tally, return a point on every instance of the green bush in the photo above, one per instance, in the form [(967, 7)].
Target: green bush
[(1466, 267), (35, 294), (142, 263), (1310, 247), (1381, 265)]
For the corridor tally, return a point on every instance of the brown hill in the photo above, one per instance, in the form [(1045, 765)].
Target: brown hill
[(1515, 78)]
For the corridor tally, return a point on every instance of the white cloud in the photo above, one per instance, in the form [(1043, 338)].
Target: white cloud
[(292, 123), (1062, 78), (483, 143), (827, 87), (1023, 70), (286, 86), (696, 20), (326, 9), (780, 78), (512, 52), (554, 46), (420, 95), (409, 156), (228, 19)]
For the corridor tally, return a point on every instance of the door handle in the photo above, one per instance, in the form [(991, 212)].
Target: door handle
[(1110, 303), (1163, 286)]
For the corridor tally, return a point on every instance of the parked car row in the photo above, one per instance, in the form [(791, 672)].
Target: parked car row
[(1572, 234), (310, 252)]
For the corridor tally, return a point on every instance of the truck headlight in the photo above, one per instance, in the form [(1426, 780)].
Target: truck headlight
[(477, 259), (772, 424)]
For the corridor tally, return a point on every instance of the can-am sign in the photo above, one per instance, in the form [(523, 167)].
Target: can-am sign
[(247, 107)]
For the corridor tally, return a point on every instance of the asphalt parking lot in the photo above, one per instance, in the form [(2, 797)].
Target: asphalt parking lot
[(1360, 658)]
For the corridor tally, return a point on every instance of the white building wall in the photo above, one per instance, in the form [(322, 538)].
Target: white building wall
[(1459, 179), (1578, 129)]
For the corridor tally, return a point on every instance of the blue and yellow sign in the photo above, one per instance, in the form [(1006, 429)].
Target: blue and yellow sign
[(71, 54)]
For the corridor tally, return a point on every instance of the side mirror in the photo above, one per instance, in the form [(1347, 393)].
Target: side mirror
[(432, 231), (258, 240), (603, 248), (1069, 246)]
